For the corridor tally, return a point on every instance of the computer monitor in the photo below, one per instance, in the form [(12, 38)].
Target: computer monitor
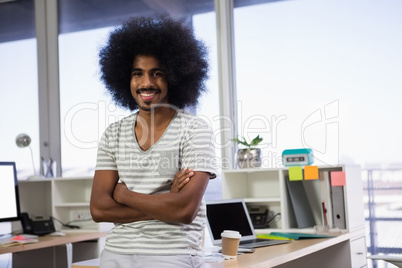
[(9, 196)]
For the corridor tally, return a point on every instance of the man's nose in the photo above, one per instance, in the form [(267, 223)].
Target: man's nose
[(148, 81)]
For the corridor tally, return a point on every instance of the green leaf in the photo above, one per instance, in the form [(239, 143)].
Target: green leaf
[(244, 142), (256, 141)]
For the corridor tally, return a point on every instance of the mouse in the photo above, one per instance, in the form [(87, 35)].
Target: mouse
[(57, 234)]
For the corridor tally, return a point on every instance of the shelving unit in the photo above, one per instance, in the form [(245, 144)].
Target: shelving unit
[(62, 198), (257, 187), (268, 187)]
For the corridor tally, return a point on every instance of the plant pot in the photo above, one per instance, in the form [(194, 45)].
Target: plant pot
[(249, 158)]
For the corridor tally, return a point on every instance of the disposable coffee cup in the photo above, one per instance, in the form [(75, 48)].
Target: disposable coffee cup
[(230, 243)]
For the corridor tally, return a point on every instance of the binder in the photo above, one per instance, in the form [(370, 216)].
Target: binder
[(307, 197), (301, 206), (338, 207), (313, 192), (325, 183)]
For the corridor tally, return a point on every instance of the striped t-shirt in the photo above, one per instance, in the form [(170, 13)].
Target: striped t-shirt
[(187, 142)]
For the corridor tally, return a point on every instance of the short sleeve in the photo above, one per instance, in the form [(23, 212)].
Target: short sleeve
[(106, 159), (198, 151)]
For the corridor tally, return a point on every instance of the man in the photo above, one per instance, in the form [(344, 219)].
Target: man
[(153, 166)]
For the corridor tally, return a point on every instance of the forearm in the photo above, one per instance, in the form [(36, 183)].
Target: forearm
[(164, 207), (177, 207), (103, 207), (111, 211)]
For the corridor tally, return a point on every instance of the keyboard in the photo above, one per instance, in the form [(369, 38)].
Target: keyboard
[(260, 242)]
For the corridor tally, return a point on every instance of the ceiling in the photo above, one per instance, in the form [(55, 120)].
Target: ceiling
[(17, 19)]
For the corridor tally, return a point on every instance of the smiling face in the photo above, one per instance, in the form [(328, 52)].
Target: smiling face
[(148, 83)]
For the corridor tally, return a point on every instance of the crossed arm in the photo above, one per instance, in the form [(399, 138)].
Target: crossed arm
[(113, 202)]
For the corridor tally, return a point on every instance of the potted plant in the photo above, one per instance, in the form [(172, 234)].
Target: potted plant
[(249, 157)]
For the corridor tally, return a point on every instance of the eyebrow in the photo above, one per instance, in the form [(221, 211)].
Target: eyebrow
[(152, 70)]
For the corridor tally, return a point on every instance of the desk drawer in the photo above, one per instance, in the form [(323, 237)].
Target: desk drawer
[(358, 252)]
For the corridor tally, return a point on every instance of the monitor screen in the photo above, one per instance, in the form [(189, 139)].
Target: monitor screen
[(9, 198)]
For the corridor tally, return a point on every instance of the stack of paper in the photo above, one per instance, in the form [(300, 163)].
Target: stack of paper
[(17, 240)]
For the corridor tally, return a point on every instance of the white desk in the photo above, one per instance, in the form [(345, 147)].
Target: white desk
[(46, 252), (329, 253), (309, 253)]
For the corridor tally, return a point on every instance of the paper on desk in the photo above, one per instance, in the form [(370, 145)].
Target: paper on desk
[(275, 237), (17, 240), (299, 236)]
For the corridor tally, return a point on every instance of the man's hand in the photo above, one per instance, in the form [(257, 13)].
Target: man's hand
[(181, 179)]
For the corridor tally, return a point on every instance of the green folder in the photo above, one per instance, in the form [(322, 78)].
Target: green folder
[(269, 236), (298, 236)]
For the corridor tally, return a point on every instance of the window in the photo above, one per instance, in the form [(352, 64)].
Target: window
[(321, 75), (208, 107), (86, 110), (19, 85)]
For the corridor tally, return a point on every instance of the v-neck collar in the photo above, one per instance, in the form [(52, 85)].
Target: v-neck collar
[(158, 141)]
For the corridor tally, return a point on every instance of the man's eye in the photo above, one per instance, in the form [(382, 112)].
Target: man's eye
[(160, 74), (136, 74)]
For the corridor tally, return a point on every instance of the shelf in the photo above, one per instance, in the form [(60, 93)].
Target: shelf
[(262, 200), (250, 170), (72, 204), (72, 179)]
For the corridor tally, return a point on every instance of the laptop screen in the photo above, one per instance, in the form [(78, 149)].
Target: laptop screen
[(229, 214)]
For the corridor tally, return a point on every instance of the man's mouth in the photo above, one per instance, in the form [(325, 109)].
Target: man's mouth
[(148, 94)]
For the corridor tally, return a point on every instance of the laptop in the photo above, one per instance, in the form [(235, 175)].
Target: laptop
[(232, 214)]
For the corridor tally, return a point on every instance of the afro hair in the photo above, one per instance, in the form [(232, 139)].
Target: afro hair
[(182, 57)]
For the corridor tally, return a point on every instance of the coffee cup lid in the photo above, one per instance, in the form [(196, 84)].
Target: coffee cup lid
[(231, 234)]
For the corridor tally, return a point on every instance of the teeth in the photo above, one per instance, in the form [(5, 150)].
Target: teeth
[(147, 95)]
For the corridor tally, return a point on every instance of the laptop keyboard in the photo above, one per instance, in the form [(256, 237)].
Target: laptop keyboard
[(261, 242)]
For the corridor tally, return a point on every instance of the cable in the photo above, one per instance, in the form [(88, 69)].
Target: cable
[(65, 225), (272, 218)]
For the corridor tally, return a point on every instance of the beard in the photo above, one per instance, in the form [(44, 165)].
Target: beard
[(146, 108)]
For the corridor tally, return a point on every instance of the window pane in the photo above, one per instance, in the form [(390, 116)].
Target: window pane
[(208, 107), (321, 74), (86, 109), (19, 86)]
